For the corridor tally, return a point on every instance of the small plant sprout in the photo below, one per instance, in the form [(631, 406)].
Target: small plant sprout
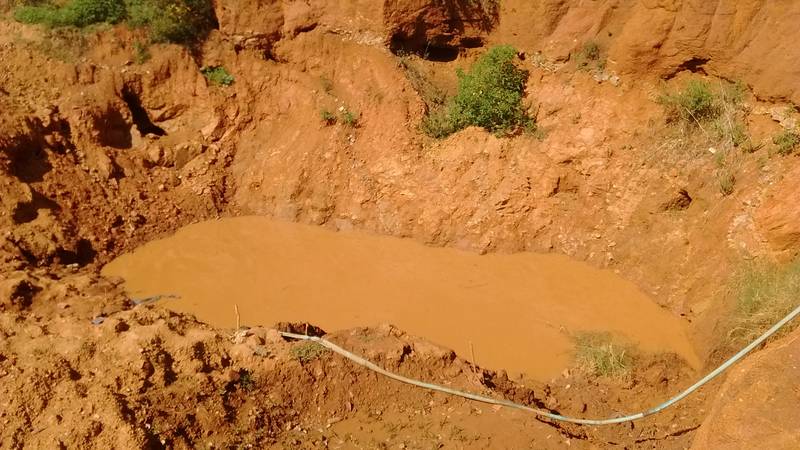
[(348, 117), (328, 118)]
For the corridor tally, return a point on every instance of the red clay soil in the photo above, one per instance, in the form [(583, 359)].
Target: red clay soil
[(99, 154)]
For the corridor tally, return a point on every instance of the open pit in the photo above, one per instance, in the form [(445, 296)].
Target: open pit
[(284, 161), (518, 312)]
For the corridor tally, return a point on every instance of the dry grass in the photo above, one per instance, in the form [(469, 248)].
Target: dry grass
[(307, 351), (601, 355), (764, 294)]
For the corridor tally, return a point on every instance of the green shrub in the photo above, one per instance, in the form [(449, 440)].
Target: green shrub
[(764, 294), (489, 96), (599, 354), (786, 142), (181, 21), (77, 13), (694, 104), (217, 75)]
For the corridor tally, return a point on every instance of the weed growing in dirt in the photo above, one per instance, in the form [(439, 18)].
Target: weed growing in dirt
[(307, 351), (599, 354), (694, 104), (141, 52), (217, 75), (433, 96), (327, 117), (246, 382), (349, 118), (786, 142), (764, 294), (180, 21), (726, 181), (589, 57), (489, 96)]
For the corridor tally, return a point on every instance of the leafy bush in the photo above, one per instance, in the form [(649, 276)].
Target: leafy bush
[(180, 21), (489, 96), (217, 75), (786, 142), (77, 13), (764, 294), (694, 104)]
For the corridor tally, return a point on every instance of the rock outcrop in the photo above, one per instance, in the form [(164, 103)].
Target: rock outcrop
[(779, 216)]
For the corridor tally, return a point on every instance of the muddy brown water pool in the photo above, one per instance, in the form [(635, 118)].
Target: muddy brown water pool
[(519, 311)]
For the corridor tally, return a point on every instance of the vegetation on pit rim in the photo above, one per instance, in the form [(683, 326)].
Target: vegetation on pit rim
[(694, 104), (710, 116), (489, 96), (764, 294), (179, 21), (715, 108), (601, 355), (217, 75), (307, 351), (786, 142)]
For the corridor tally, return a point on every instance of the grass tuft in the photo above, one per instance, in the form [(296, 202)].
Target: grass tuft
[(601, 355), (764, 294), (694, 104), (589, 57), (786, 142), (307, 351)]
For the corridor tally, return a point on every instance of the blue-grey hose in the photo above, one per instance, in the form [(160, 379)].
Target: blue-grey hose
[(435, 387)]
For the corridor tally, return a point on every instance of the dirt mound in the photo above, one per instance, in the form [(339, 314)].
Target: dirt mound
[(757, 404), (82, 366)]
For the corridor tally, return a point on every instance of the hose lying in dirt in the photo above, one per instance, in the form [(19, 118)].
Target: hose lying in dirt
[(435, 387)]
